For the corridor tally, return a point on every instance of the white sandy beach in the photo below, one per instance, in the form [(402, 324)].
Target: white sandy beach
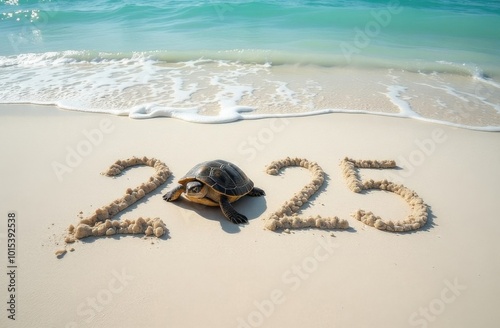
[(208, 272)]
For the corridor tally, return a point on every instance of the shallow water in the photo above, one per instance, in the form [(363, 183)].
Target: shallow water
[(213, 61)]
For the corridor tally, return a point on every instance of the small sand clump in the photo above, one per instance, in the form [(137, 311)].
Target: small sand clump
[(286, 217), (60, 252), (159, 231), (83, 230)]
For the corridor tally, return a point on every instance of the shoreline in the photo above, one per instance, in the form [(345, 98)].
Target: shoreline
[(208, 91), (232, 115), (247, 276)]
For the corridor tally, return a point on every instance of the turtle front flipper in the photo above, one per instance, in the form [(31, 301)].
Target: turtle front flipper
[(173, 194), (230, 213), (256, 192)]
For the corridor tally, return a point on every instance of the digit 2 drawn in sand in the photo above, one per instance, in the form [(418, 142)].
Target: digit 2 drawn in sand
[(286, 217), (100, 223)]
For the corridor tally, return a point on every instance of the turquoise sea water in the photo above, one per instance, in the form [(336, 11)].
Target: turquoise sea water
[(190, 59)]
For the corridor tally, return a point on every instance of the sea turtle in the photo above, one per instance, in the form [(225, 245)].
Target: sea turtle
[(216, 183)]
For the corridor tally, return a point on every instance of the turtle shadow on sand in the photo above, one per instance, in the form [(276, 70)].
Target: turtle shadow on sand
[(252, 207)]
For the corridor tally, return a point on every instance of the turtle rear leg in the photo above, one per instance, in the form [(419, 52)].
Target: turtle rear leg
[(256, 192), (173, 194), (230, 213)]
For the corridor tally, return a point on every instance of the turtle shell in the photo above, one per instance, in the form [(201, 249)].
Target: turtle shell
[(224, 177)]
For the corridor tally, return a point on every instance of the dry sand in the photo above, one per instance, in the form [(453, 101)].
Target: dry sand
[(208, 272)]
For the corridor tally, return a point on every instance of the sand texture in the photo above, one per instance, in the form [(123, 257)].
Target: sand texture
[(367, 221)]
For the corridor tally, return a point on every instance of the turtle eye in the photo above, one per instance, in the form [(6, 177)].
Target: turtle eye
[(195, 189)]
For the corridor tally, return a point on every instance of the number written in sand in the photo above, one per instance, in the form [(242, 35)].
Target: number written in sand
[(418, 215), (286, 217), (133, 195), (100, 224)]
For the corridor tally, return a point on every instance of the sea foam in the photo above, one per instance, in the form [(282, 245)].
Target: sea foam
[(219, 91)]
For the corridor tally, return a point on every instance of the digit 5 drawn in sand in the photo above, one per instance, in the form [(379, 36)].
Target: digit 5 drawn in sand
[(415, 220)]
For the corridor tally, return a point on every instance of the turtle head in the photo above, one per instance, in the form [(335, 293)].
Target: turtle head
[(196, 189)]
